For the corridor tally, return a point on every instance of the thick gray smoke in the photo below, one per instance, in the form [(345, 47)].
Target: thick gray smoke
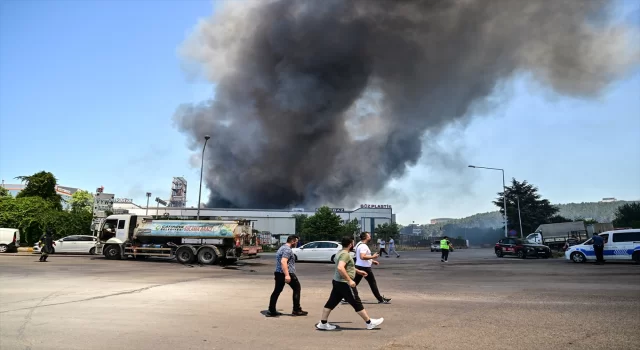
[(325, 101)]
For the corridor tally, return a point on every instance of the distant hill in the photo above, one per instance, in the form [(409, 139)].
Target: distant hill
[(599, 211), (485, 228)]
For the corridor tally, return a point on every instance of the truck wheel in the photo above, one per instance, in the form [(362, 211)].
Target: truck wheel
[(521, 254), (112, 252), (578, 257), (185, 255), (207, 256)]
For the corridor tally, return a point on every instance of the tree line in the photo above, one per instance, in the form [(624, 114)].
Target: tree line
[(487, 228), (38, 207), (325, 225)]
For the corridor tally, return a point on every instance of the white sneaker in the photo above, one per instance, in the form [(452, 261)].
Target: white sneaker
[(375, 322), (343, 302), (327, 326)]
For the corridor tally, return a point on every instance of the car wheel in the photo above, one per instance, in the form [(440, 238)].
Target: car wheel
[(92, 251), (521, 254), (578, 257), (4, 248), (112, 252), (499, 253), (546, 256), (295, 258), (333, 258), (636, 257)]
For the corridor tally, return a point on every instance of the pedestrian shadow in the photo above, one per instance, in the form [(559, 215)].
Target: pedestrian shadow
[(265, 313), (340, 328)]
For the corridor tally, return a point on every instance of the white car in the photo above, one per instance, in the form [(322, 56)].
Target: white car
[(620, 245), (72, 244), (318, 251)]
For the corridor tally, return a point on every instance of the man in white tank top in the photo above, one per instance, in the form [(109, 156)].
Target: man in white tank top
[(364, 261)]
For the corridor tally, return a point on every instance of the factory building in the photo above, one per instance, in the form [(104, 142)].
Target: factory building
[(275, 221)]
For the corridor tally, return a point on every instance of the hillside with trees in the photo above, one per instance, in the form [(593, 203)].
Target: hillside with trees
[(486, 228)]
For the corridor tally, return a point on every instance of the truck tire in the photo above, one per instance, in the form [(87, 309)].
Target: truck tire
[(185, 254), (112, 252), (207, 256)]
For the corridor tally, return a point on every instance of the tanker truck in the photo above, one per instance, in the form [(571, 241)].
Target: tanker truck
[(205, 241)]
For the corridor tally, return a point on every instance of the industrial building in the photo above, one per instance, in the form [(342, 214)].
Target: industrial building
[(275, 221)]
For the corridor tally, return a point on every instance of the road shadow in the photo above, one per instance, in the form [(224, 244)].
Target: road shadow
[(266, 312)]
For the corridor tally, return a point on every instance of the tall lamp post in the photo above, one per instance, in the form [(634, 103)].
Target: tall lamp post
[(148, 196), (504, 195), (519, 217), (206, 138)]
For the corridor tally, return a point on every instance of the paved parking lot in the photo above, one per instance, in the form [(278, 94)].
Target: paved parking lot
[(475, 301)]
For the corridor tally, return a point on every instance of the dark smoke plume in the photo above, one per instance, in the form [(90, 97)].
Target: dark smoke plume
[(325, 101)]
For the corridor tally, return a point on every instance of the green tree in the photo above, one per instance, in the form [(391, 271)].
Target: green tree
[(557, 219), (533, 209), (300, 220), (43, 185), (628, 215), (323, 225), (351, 228), (387, 230), (82, 200), (4, 192)]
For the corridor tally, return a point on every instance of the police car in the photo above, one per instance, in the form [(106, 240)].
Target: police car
[(619, 245)]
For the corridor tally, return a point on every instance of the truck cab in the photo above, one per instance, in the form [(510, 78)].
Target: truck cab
[(117, 229)]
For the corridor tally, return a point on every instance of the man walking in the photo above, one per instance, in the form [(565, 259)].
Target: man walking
[(286, 274), (382, 248), (46, 245), (392, 248), (344, 287), (364, 260), (444, 247), (598, 248)]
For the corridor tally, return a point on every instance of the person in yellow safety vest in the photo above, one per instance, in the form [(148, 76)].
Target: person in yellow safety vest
[(445, 244)]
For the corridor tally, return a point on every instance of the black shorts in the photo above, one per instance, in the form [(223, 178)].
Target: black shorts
[(341, 290)]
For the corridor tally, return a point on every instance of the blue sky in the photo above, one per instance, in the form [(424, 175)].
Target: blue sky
[(88, 89)]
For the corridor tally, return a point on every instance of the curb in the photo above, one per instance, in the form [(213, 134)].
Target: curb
[(25, 249)]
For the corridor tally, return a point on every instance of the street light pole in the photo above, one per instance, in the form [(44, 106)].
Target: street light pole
[(148, 196), (519, 217), (206, 138), (504, 195)]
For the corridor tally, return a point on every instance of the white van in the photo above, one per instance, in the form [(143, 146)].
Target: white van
[(9, 239), (620, 245)]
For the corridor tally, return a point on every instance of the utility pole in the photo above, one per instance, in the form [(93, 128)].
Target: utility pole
[(206, 138)]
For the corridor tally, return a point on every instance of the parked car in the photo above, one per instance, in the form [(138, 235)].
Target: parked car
[(619, 245), (72, 244), (521, 248), (9, 239), (318, 251)]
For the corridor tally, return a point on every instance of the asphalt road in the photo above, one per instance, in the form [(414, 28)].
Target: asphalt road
[(475, 301)]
